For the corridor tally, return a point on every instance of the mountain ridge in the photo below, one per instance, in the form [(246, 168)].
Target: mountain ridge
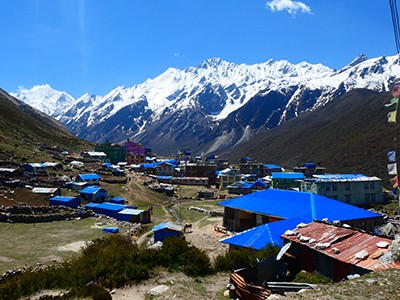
[(218, 104)]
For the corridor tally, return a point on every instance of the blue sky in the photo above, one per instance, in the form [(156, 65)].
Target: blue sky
[(96, 45)]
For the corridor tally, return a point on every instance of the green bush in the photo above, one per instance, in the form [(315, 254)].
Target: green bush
[(243, 257), (195, 262), (312, 278), (109, 262)]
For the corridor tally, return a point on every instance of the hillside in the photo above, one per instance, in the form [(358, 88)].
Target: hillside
[(23, 128), (349, 134)]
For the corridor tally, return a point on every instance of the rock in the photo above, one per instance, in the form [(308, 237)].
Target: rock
[(363, 254), (158, 290)]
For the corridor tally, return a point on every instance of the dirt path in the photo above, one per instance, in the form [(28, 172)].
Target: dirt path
[(177, 286)]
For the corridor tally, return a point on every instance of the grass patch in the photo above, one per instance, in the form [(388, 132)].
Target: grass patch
[(39, 242)]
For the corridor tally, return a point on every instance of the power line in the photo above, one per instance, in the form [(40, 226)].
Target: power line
[(395, 22)]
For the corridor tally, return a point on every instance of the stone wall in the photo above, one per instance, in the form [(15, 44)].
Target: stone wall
[(39, 214)]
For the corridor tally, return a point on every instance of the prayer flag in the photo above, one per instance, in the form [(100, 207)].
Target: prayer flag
[(394, 181), (392, 116), (391, 155), (392, 169), (393, 101)]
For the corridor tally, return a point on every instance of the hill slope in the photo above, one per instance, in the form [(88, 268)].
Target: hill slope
[(349, 134), (22, 126)]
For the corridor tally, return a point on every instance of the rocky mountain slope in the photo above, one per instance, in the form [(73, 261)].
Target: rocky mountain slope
[(349, 134), (23, 128), (212, 107)]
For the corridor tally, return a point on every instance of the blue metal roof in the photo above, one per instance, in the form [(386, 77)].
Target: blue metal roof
[(89, 176), (287, 204), (259, 237), (272, 166), (310, 165), (110, 206), (240, 184), (118, 199), (92, 189), (338, 176), (246, 159), (92, 205), (62, 198), (168, 225), (164, 177), (287, 175), (259, 183)]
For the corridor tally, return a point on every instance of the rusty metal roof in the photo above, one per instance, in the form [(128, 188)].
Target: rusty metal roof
[(343, 244)]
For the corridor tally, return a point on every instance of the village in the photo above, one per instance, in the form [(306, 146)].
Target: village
[(321, 221)]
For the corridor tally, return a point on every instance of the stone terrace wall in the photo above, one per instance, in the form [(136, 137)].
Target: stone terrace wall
[(38, 214)]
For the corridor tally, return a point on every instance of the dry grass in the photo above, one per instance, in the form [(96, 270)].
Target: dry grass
[(28, 244)]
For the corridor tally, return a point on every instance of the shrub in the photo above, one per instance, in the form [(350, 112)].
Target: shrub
[(195, 262), (109, 262), (171, 252), (312, 278), (243, 257)]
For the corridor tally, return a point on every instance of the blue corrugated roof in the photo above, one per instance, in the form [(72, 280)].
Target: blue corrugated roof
[(118, 198), (89, 176), (259, 183), (92, 189), (310, 165), (272, 166), (338, 176), (246, 159), (168, 225), (62, 198), (164, 177), (240, 184), (110, 206), (287, 175), (287, 204), (92, 205), (259, 237)]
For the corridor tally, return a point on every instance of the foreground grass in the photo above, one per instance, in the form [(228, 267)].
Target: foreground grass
[(39, 243)]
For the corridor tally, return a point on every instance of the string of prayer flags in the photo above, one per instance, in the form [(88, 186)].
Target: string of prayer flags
[(392, 116), (394, 181), (392, 102), (391, 156), (392, 169)]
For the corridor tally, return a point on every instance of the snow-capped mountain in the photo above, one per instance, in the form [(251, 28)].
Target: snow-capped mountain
[(45, 99), (210, 107)]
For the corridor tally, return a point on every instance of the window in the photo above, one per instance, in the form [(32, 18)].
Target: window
[(366, 185), (347, 186), (335, 197), (334, 186), (348, 198)]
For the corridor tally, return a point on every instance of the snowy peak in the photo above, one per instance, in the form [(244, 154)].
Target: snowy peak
[(359, 59), (45, 98), (214, 105)]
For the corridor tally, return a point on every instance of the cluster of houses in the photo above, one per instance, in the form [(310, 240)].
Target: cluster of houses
[(316, 233), (90, 195), (100, 202), (270, 205)]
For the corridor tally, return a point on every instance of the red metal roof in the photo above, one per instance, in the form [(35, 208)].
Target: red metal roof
[(343, 243)]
